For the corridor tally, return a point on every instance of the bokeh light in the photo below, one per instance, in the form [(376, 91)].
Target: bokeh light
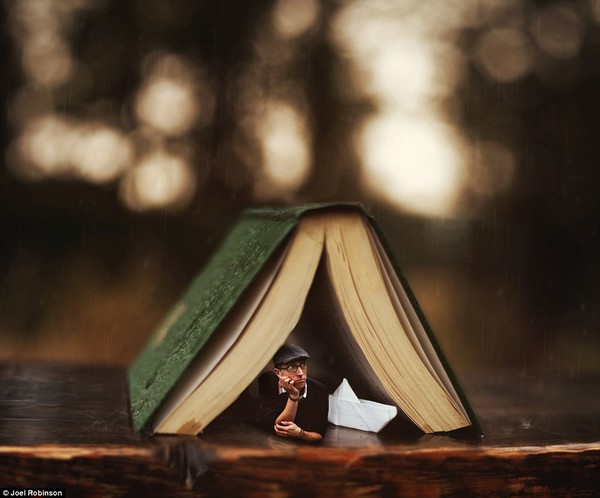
[(58, 135), (469, 124), (505, 54), (41, 30), (160, 180), (410, 84), (272, 140), (410, 69), (558, 30), (44, 147), (292, 18), (284, 140), (418, 164), (47, 60), (54, 146), (169, 100), (101, 154), (409, 151)]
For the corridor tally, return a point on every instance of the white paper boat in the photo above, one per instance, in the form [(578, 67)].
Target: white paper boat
[(347, 410)]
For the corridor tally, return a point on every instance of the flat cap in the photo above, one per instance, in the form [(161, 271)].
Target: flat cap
[(287, 353)]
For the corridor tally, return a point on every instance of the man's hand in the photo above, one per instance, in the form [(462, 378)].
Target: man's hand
[(286, 428), (288, 385)]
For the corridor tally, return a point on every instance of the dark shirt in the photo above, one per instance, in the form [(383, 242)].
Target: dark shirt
[(312, 411)]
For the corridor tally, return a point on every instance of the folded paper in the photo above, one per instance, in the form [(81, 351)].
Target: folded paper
[(347, 410)]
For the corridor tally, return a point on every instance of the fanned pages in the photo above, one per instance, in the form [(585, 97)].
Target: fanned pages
[(377, 330)]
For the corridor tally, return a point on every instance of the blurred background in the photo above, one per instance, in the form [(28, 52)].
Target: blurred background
[(134, 133)]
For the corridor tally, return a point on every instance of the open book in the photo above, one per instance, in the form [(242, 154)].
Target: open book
[(236, 314)]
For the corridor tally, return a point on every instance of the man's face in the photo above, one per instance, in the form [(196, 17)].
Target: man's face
[(295, 371)]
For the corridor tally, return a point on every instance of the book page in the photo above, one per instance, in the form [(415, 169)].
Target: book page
[(218, 345), (335, 354), (411, 322), (356, 273), (277, 314)]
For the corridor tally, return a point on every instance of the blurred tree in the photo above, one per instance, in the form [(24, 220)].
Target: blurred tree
[(135, 131)]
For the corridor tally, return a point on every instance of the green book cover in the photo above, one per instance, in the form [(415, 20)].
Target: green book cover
[(205, 304), (214, 293)]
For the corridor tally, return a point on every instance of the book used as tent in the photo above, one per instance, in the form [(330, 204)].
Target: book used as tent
[(243, 306)]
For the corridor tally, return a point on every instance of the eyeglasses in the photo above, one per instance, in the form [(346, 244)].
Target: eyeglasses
[(294, 367)]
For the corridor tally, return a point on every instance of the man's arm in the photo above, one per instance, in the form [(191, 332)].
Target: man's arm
[(291, 430), (271, 403), (291, 406), (276, 417)]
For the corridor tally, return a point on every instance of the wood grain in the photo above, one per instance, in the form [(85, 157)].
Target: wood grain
[(68, 426)]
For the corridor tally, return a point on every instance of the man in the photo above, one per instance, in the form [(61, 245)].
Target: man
[(295, 405)]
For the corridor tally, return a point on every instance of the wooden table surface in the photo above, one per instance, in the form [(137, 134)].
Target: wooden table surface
[(68, 426)]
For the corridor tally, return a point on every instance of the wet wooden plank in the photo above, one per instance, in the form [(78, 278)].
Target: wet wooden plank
[(68, 426)]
